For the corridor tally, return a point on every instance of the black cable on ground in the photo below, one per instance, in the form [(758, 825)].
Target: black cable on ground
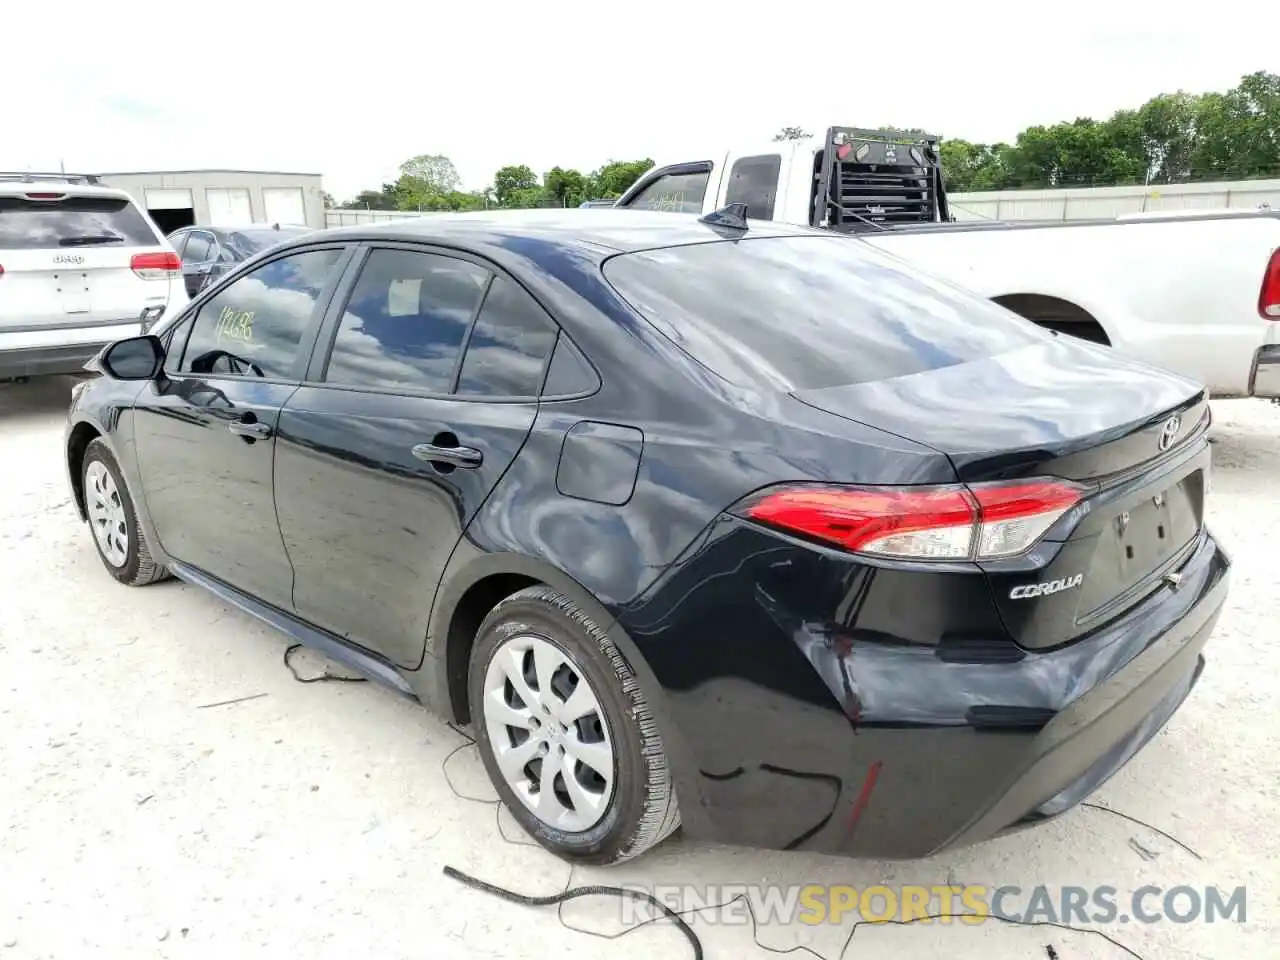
[(1142, 823), (677, 917), (325, 677), (573, 893)]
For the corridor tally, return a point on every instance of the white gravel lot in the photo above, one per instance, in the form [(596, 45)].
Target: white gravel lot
[(313, 820)]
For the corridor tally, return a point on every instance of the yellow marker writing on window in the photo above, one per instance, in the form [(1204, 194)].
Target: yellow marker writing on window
[(235, 325)]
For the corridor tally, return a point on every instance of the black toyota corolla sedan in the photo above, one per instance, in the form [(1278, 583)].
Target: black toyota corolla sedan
[(731, 524)]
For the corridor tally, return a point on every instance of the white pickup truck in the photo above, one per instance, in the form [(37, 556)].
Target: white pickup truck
[(1196, 292), (81, 265)]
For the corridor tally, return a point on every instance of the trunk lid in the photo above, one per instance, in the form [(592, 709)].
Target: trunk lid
[(1132, 434)]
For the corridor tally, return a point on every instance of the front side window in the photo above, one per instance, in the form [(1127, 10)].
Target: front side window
[(254, 326), (673, 193), (405, 322), (754, 181), (509, 344)]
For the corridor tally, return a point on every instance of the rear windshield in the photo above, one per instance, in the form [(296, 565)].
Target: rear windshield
[(72, 222), (804, 313), (250, 242)]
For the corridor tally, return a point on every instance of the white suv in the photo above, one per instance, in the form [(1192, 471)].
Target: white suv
[(80, 267)]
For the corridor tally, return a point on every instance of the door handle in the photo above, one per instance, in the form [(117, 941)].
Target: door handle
[(466, 457), (250, 430)]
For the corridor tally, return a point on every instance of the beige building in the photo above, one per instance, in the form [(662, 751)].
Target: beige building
[(216, 198)]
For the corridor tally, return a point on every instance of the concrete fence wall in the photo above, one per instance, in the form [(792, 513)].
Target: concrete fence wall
[(1088, 203), (1073, 203)]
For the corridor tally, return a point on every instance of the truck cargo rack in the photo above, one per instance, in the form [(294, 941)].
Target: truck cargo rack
[(878, 179)]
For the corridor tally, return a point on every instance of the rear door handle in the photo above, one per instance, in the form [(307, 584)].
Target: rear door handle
[(466, 457), (251, 431)]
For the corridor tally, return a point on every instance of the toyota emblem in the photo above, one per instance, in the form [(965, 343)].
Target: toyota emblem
[(1169, 432)]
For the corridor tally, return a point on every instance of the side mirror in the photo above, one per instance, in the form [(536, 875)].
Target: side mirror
[(137, 358)]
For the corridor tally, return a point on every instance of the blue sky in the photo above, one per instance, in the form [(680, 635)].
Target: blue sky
[(351, 90)]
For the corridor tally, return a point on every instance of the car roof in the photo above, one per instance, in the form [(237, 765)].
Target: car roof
[(18, 188), (597, 233), (243, 228)]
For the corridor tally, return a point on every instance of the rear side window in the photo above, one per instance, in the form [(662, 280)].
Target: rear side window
[(405, 321), (509, 344), (754, 181), (673, 193), (810, 312), (71, 222)]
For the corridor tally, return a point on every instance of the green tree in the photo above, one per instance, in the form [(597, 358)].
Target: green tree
[(1238, 132), (613, 179), (514, 185), (567, 186), (384, 199), (436, 172)]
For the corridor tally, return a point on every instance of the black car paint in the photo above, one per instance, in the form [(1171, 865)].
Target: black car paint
[(818, 714)]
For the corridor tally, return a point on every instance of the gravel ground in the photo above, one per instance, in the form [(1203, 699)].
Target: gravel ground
[(312, 821)]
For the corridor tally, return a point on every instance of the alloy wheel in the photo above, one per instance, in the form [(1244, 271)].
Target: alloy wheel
[(548, 733), (106, 514)]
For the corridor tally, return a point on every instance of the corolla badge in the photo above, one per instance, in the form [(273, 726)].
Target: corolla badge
[(1169, 432), (1028, 590)]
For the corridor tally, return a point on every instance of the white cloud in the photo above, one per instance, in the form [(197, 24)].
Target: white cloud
[(350, 90)]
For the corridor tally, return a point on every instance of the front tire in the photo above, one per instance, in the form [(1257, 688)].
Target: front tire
[(122, 546), (565, 732)]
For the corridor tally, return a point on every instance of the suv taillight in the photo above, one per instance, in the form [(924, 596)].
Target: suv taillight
[(981, 521), (156, 266), (1269, 296)]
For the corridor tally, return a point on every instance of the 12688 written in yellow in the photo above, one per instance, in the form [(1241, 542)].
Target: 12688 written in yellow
[(235, 325)]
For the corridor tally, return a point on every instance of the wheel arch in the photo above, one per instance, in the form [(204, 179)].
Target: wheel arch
[(473, 587), (1038, 307), (79, 437)]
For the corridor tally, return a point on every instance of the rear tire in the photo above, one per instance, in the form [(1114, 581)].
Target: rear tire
[(121, 544), (547, 685)]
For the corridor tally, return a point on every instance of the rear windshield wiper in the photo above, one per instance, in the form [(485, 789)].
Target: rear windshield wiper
[(90, 239)]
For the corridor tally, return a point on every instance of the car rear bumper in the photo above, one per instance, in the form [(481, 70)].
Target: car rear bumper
[(64, 348), (47, 361), (1264, 378), (891, 748)]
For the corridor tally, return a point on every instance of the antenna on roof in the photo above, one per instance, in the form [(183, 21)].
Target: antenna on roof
[(732, 215)]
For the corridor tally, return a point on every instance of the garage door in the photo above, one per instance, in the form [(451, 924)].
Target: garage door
[(229, 206), (284, 205), (169, 200)]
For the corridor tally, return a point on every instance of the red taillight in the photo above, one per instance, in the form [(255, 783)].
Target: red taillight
[(156, 266), (1269, 296), (46, 196), (978, 522)]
